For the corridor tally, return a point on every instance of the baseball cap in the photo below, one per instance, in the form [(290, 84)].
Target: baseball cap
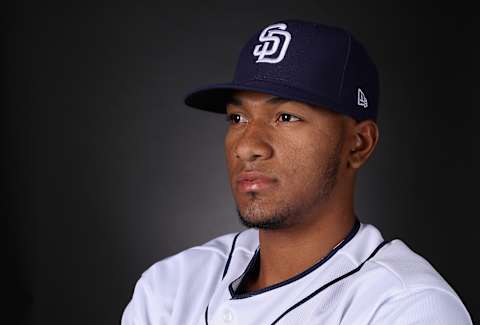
[(309, 62)]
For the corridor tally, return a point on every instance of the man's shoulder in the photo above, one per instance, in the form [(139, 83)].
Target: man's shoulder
[(410, 269), (407, 282), (393, 269), (399, 284), (399, 275), (193, 272), (213, 253)]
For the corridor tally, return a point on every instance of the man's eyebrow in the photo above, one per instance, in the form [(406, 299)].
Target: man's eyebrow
[(277, 100), (233, 100)]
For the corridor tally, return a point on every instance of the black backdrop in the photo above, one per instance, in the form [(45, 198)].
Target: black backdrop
[(105, 171)]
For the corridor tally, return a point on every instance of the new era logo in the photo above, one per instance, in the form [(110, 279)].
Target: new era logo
[(361, 99)]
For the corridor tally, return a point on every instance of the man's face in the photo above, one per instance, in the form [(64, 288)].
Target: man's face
[(283, 158)]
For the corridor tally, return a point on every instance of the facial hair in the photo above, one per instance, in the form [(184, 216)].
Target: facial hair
[(284, 216)]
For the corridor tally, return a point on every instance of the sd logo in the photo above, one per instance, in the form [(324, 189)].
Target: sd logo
[(269, 51)]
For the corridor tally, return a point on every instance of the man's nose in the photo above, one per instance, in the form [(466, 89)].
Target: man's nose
[(253, 144)]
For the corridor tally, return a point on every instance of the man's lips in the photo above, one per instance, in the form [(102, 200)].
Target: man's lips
[(253, 181)]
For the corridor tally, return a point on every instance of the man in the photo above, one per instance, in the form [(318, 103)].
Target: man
[(302, 112)]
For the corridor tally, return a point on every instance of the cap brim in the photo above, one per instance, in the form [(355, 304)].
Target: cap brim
[(214, 98)]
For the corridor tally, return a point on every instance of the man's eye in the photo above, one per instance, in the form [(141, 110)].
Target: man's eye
[(235, 118), (285, 117)]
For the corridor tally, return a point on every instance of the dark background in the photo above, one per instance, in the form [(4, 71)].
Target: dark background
[(105, 171)]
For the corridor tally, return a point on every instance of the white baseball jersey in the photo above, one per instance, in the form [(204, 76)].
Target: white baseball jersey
[(363, 280)]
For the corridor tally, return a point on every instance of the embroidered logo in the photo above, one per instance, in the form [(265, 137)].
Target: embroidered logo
[(270, 51), (361, 99)]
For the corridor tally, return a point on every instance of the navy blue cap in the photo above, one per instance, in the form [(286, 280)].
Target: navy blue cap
[(304, 61)]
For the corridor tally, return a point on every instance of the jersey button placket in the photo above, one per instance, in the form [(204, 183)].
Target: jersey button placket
[(228, 317)]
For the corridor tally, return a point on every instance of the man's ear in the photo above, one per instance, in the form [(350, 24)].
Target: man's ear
[(363, 139)]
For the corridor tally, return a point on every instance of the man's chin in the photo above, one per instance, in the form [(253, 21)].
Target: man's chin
[(263, 222)]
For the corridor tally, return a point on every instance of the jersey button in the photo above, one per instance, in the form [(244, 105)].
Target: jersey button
[(227, 316)]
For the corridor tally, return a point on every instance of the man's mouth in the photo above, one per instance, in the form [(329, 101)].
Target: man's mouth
[(254, 181)]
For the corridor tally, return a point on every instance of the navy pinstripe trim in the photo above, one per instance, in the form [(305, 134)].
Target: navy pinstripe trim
[(230, 255), (254, 259), (206, 316), (310, 296), (225, 270)]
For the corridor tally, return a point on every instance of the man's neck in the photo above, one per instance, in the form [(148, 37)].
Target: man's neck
[(285, 253)]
